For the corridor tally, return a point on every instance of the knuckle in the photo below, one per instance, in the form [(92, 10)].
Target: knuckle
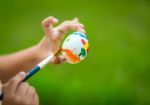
[(45, 24), (24, 84), (13, 80), (61, 31), (17, 99), (16, 79)]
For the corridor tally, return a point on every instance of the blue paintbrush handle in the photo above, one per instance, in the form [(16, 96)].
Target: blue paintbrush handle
[(31, 72), (36, 69)]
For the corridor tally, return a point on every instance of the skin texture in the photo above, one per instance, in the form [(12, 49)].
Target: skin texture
[(24, 60), (17, 93)]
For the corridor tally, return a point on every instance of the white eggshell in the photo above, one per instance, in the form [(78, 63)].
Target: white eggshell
[(77, 45)]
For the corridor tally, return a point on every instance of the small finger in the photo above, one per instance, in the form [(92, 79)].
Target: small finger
[(81, 25), (81, 30)]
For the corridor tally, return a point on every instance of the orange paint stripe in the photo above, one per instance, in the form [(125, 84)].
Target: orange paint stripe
[(73, 57)]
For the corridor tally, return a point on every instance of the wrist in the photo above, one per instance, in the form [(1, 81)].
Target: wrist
[(41, 52)]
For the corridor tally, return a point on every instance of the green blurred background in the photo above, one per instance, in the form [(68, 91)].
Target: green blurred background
[(117, 69)]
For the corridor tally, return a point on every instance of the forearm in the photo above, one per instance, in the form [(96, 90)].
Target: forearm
[(26, 59), (20, 61)]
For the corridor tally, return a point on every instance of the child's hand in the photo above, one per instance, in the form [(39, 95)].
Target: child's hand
[(54, 35), (17, 93)]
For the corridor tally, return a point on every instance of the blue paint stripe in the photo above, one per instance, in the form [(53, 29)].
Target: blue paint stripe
[(81, 34), (31, 72)]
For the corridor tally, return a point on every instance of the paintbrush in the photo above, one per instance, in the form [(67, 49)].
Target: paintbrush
[(36, 68)]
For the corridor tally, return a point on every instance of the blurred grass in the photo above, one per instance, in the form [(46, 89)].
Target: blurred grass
[(116, 71)]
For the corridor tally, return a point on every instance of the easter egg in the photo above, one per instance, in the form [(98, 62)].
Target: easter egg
[(75, 47)]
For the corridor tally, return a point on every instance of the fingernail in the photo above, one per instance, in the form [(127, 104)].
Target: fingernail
[(22, 74)]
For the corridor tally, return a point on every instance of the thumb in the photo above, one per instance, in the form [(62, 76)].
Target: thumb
[(12, 84), (20, 76)]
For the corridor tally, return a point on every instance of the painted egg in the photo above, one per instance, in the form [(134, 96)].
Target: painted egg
[(75, 47)]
